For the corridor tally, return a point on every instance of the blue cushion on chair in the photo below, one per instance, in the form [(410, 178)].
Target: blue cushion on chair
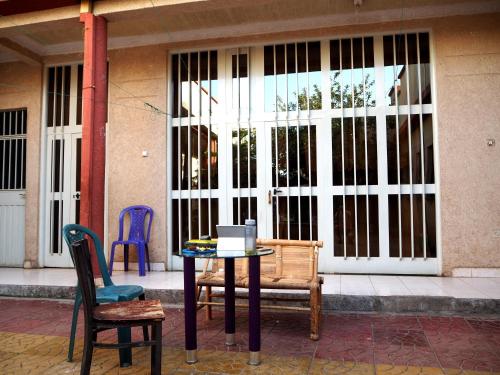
[(117, 293)]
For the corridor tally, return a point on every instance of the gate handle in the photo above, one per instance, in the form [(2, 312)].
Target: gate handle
[(270, 194), (77, 195)]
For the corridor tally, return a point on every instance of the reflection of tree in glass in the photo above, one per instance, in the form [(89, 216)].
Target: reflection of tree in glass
[(297, 154), (244, 141), (316, 96), (347, 92), (314, 100)]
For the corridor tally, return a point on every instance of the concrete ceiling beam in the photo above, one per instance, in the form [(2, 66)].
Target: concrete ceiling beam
[(21, 52)]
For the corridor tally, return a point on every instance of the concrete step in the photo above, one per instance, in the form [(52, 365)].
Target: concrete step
[(331, 302)]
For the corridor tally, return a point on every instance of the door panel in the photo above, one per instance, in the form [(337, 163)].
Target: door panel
[(326, 140), (63, 160), (12, 186)]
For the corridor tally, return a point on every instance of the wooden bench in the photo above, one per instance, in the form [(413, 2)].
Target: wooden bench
[(293, 266)]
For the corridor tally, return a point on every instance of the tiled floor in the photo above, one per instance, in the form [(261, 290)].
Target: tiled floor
[(367, 285), (34, 338)]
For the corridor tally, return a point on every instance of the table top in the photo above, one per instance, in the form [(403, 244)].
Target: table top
[(229, 254)]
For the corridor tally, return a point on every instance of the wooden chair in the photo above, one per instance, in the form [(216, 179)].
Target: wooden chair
[(107, 293), (114, 315), (293, 266)]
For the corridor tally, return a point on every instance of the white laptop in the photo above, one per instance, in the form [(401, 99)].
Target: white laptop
[(231, 238)]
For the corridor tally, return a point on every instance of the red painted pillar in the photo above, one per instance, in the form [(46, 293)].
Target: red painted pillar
[(94, 111)]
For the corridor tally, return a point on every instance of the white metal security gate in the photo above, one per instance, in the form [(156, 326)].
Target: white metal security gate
[(63, 159), (329, 140), (12, 186)]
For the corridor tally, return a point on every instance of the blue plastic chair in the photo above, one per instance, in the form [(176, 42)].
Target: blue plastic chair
[(136, 237), (109, 293)]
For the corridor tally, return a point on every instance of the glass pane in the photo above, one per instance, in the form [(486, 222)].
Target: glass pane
[(314, 65), (199, 163), (296, 83), (240, 87), (185, 89), (418, 222), (337, 151), (428, 149), (208, 157), (57, 165), (425, 68), (348, 152), (24, 165), (67, 93), (78, 163), (369, 73), (195, 89), (242, 158), (281, 90), (392, 155), (299, 229), (12, 163), (338, 226), (195, 157), (291, 77), (367, 222), (50, 97), (19, 162), (269, 80), (361, 158), (357, 72), (302, 75), (394, 236), (58, 94), (335, 73), (2, 164), (307, 155), (214, 83), (244, 202), (79, 95), (346, 75), (56, 209), (286, 161)]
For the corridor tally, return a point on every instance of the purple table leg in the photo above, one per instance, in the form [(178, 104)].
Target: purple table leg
[(254, 311), (229, 307), (190, 310)]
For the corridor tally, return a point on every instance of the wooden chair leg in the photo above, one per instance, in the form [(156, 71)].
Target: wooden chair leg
[(145, 332), (156, 349), (314, 303), (208, 298), (88, 349), (74, 321)]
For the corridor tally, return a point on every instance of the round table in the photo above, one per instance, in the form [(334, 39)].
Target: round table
[(190, 302)]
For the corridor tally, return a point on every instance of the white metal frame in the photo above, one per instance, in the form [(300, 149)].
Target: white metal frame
[(68, 134), (324, 190)]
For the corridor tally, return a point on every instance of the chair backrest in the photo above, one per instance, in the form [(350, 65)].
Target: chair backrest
[(291, 259), (81, 257), (138, 216), (75, 232)]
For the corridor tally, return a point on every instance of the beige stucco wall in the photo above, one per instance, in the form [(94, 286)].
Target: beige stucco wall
[(468, 101), (137, 75), (21, 86)]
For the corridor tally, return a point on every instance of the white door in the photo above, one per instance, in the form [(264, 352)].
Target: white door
[(315, 140), (63, 160), (12, 186)]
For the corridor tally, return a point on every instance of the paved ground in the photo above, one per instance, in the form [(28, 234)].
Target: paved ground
[(33, 340)]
